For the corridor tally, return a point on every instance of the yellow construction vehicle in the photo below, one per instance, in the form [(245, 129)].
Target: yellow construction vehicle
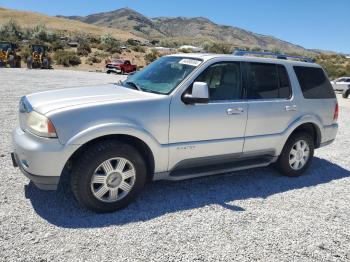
[(8, 55), (39, 57)]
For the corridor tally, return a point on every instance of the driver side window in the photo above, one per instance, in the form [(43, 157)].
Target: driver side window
[(224, 81)]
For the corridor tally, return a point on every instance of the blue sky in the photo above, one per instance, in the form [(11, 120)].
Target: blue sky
[(322, 24)]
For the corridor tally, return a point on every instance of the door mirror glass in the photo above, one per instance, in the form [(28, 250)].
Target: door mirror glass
[(200, 94)]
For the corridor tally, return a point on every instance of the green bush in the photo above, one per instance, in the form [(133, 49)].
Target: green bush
[(96, 58), (138, 48), (66, 58), (110, 44), (218, 48), (151, 56), (11, 31), (83, 49), (57, 45)]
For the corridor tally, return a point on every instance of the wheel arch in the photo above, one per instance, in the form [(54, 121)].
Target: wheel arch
[(136, 142), (310, 128)]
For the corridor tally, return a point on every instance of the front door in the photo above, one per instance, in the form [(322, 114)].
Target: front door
[(216, 129)]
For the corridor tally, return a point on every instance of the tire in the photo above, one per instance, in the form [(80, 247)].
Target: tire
[(46, 63), (29, 63), (11, 61), (89, 176), (284, 161), (346, 93), (109, 72), (18, 63)]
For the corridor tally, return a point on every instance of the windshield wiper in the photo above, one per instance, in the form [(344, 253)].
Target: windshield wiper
[(151, 91), (133, 85)]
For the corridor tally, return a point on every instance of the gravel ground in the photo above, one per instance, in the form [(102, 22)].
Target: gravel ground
[(253, 215)]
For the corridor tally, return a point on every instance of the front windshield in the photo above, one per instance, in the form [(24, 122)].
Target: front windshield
[(163, 75), (4, 46)]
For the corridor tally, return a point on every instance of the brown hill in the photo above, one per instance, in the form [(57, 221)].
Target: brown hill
[(30, 19), (184, 28)]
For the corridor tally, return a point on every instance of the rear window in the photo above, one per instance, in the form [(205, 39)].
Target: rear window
[(267, 81), (314, 83)]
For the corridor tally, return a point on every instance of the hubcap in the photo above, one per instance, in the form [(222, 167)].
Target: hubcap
[(299, 155), (113, 179)]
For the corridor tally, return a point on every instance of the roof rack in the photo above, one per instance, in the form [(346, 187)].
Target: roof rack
[(278, 56)]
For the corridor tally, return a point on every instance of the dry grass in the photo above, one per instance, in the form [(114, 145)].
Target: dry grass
[(30, 19)]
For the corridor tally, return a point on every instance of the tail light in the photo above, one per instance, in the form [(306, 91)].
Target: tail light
[(336, 112)]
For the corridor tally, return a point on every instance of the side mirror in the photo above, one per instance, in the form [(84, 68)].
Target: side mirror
[(200, 94)]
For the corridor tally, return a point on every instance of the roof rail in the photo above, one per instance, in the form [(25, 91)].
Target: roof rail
[(278, 56)]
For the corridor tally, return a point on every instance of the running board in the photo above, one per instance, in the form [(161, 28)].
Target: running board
[(188, 173)]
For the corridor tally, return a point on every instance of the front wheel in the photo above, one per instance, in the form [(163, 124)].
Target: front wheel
[(108, 176), (29, 63), (296, 155), (346, 93), (11, 61)]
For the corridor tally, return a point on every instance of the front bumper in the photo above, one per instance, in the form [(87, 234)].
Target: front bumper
[(42, 182), (42, 160)]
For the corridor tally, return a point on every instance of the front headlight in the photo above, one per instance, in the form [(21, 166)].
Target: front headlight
[(40, 125)]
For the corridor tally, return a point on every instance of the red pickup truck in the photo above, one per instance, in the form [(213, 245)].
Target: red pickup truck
[(120, 66)]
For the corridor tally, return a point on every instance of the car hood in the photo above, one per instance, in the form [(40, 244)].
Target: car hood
[(44, 102)]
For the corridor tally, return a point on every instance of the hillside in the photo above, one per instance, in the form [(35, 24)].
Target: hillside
[(124, 19), (30, 19), (197, 28)]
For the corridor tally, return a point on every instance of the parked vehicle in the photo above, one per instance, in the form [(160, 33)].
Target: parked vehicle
[(181, 117), (39, 57), (343, 85), (8, 55), (120, 66)]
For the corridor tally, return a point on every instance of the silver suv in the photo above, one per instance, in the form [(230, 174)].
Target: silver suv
[(183, 116)]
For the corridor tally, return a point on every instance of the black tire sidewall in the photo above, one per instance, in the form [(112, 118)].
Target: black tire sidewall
[(346, 93), (283, 160), (87, 164)]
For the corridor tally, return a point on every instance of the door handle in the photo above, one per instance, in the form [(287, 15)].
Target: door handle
[(291, 108), (234, 111)]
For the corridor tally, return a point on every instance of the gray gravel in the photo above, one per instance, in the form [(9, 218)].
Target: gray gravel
[(253, 215)]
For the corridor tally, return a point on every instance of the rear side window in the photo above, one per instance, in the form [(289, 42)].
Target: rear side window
[(284, 90), (314, 83), (266, 81)]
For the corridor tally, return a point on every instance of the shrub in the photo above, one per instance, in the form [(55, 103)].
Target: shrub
[(110, 44), (83, 49), (57, 45), (93, 60), (96, 58), (151, 56), (138, 48), (218, 48), (40, 32), (66, 58), (26, 52), (11, 31)]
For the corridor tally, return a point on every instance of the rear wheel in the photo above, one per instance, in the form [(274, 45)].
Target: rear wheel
[(346, 93), (29, 63), (11, 61), (108, 176), (46, 64), (296, 155)]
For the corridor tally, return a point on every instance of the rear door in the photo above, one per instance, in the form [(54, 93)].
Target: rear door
[(271, 106)]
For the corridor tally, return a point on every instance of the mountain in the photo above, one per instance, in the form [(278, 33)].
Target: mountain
[(190, 29), (30, 19), (124, 19)]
